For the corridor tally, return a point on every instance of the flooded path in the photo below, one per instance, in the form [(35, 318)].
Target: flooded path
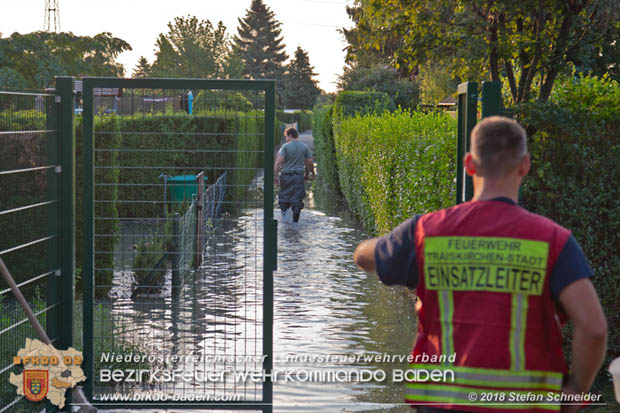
[(324, 306)]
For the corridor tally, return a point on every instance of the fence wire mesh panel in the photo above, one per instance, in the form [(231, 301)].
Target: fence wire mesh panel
[(30, 229), (175, 278)]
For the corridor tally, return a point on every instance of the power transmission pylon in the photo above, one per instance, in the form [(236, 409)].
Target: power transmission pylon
[(52, 16)]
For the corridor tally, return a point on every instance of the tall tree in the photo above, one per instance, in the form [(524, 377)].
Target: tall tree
[(526, 43), (260, 44), (362, 51), (142, 69), (192, 48), (300, 89), (39, 56)]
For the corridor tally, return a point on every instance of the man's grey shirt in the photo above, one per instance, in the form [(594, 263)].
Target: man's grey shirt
[(294, 153)]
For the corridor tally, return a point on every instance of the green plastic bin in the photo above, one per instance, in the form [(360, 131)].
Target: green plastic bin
[(182, 187)]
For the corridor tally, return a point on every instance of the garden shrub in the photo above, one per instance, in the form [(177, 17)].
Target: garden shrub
[(357, 102), (209, 100), (575, 175), (404, 92), (394, 165)]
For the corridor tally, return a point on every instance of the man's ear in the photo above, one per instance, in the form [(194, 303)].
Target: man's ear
[(525, 165), (470, 164)]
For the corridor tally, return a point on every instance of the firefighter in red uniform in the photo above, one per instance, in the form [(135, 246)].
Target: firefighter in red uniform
[(494, 282)]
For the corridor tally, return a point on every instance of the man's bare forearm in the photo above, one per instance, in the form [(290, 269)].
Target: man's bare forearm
[(582, 305), (588, 352)]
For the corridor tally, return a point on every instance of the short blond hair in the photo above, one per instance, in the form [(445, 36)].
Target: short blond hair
[(498, 144)]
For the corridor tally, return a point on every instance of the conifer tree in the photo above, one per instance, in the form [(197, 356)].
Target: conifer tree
[(260, 44), (142, 69), (300, 88)]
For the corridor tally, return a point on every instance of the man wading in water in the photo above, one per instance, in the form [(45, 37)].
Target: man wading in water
[(296, 163)]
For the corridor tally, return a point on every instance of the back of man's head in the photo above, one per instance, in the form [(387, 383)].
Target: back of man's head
[(292, 132), (498, 145)]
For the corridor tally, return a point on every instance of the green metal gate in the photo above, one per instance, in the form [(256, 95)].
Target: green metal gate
[(467, 103), (37, 225), (178, 288)]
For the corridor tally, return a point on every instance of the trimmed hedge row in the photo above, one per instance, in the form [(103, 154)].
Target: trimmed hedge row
[(394, 165), (388, 164), (575, 178), (347, 104), (109, 139), (324, 146)]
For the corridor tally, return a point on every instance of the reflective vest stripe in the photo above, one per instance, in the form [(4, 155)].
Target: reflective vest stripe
[(446, 311), (518, 400), (517, 332), (492, 378)]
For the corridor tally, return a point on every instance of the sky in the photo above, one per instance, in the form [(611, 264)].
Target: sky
[(311, 24)]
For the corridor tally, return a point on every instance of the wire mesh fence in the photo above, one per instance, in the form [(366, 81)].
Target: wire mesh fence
[(213, 199), (29, 230), (153, 295)]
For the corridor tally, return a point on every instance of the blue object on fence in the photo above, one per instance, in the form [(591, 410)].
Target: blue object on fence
[(182, 187), (190, 101)]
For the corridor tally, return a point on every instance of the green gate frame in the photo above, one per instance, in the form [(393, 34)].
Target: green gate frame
[(269, 235), (467, 102), (59, 207)]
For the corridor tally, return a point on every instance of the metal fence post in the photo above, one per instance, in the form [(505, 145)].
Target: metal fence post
[(176, 248), (54, 315), (491, 99), (200, 179), (467, 113), (270, 245), (64, 89), (88, 266)]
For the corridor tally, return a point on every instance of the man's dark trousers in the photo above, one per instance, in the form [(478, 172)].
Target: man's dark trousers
[(292, 193)]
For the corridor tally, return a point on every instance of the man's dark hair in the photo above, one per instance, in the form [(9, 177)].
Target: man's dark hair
[(498, 145), (292, 132)]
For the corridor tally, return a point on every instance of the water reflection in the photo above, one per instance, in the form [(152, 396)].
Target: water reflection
[(325, 305)]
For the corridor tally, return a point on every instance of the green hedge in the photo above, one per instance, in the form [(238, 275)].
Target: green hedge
[(111, 139), (346, 104), (394, 165), (324, 146), (207, 100), (575, 178)]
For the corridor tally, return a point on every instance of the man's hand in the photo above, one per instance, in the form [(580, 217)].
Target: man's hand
[(569, 388), (276, 180), (309, 169), (364, 256)]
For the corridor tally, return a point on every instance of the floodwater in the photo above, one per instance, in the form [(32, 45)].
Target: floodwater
[(324, 306)]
